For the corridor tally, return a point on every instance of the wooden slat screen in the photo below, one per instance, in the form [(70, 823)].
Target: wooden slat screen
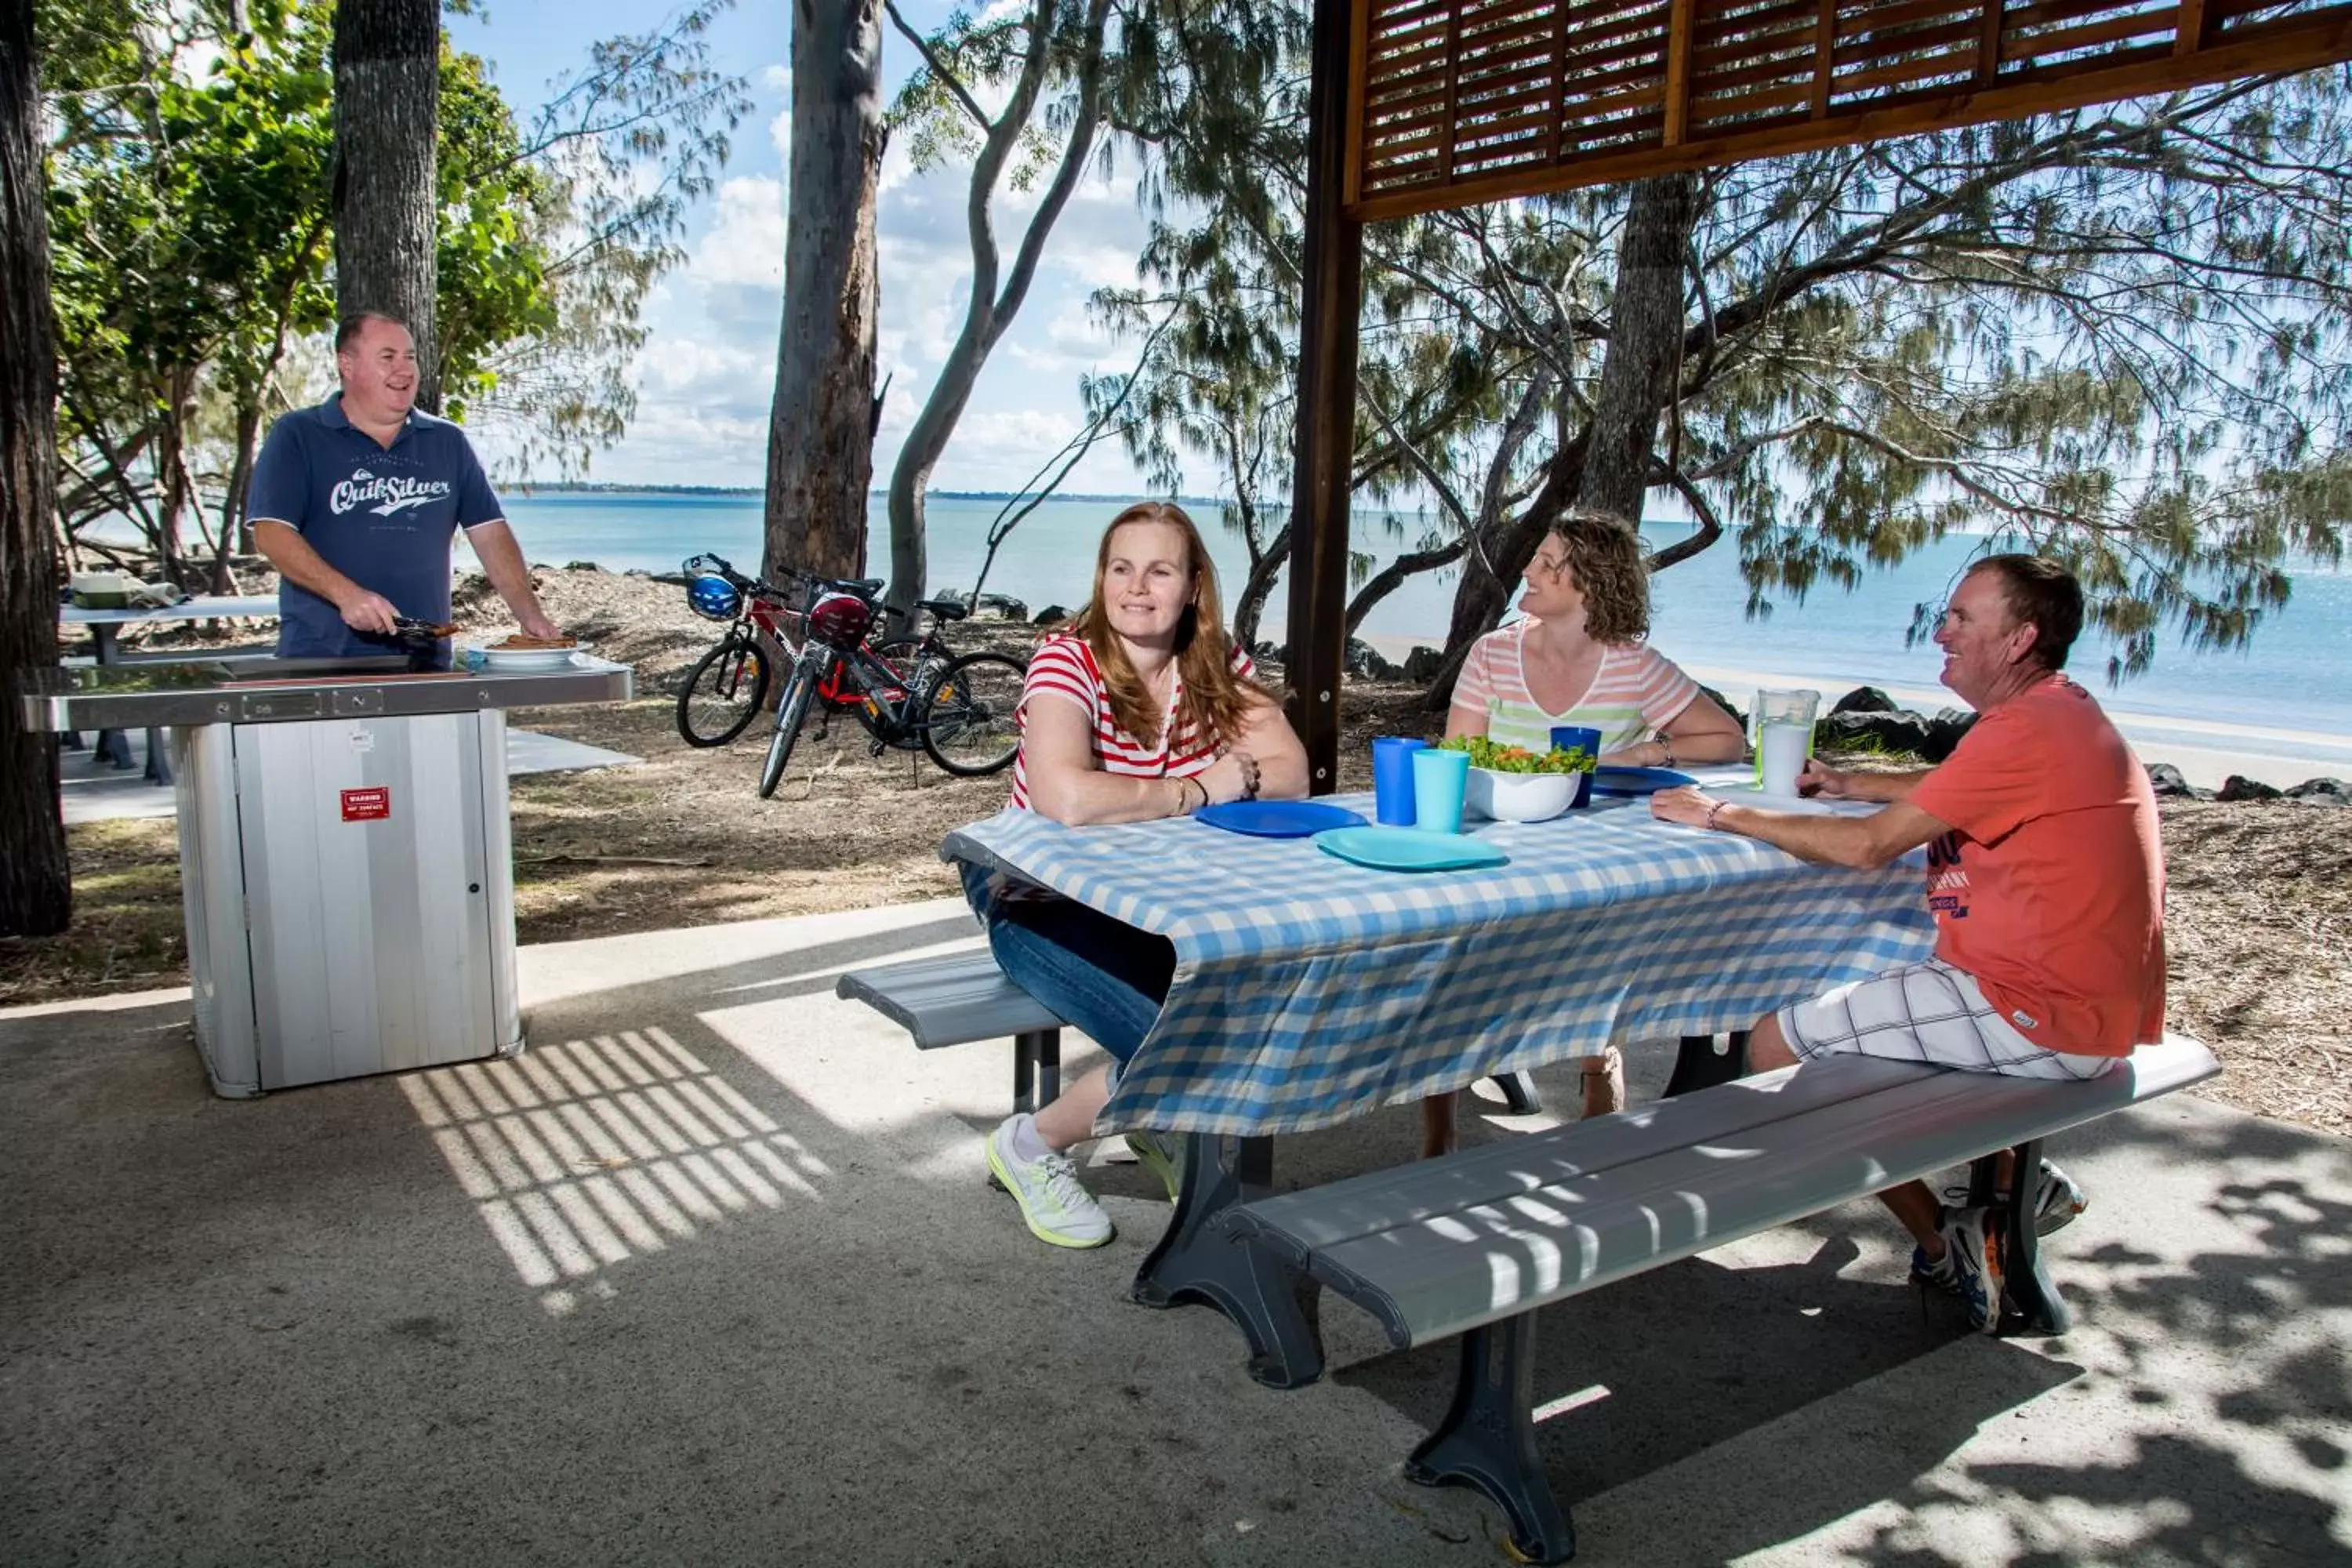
[(1466, 100)]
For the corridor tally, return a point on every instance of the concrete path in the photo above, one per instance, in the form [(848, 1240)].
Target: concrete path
[(95, 791), (710, 1275)]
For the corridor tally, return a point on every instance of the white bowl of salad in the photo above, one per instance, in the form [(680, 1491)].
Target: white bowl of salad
[(1511, 784)]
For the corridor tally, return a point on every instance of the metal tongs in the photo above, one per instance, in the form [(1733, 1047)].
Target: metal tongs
[(422, 640)]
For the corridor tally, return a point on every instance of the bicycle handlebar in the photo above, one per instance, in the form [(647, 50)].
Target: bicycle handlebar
[(866, 588)]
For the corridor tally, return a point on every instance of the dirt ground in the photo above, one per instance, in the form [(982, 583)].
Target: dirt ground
[(2259, 915)]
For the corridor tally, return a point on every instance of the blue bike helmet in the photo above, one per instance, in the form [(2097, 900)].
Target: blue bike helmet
[(714, 598)]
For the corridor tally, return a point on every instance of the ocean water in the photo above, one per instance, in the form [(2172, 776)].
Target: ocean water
[(2297, 674)]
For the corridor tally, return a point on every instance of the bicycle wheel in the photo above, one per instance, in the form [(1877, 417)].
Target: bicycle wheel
[(971, 716), (789, 711), (722, 692)]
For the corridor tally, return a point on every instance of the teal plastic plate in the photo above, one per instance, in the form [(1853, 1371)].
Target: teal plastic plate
[(1407, 849)]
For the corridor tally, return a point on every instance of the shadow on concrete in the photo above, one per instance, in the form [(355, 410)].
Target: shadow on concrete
[(711, 1273)]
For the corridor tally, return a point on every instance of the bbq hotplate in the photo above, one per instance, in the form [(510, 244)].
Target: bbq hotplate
[(262, 688)]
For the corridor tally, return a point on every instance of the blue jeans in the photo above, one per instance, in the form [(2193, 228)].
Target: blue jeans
[(1103, 975)]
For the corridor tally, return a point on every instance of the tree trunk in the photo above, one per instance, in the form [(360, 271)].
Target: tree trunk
[(36, 886), (1608, 464), (821, 425), (1645, 334), (387, 110), (234, 530), (1249, 605)]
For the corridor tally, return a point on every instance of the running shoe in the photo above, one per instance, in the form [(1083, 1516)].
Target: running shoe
[(1164, 1157), (1972, 1250), (2058, 1199), (1056, 1206)]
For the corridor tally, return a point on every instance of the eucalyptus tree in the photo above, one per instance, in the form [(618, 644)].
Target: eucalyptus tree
[(1064, 69), (35, 891), (387, 62), (822, 420)]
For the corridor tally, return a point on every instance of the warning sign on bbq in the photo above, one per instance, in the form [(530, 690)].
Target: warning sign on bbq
[(370, 804)]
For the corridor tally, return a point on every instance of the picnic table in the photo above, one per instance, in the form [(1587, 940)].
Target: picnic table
[(105, 630), (1309, 990)]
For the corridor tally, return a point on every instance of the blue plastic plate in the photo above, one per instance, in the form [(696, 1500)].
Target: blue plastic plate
[(1278, 818), (1637, 781), (1407, 849)]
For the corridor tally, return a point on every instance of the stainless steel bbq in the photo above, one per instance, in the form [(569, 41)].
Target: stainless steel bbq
[(346, 861)]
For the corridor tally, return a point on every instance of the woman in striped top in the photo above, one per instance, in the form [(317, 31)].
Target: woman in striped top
[(1579, 657), (1145, 708)]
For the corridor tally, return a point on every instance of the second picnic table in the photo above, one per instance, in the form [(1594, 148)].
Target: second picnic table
[(105, 630)]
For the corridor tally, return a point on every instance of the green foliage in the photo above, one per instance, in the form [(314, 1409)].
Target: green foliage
[(190, 218), (2118, 336)]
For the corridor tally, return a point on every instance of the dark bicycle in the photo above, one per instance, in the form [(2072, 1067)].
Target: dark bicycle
[(961, 708)]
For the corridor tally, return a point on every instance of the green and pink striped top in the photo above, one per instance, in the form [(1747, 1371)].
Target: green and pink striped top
[(1636, 692)]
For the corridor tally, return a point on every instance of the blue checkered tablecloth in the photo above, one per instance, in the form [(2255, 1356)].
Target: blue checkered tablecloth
[(1309, 990)]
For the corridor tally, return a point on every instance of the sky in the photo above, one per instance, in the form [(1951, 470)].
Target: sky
[(706, 371)]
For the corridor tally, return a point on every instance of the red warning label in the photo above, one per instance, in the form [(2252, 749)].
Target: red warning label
[(367, 805)]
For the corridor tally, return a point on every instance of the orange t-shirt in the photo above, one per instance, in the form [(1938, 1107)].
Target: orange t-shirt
[(2051, 891)]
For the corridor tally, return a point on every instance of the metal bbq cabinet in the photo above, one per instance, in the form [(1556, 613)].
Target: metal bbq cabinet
[(345, 858)]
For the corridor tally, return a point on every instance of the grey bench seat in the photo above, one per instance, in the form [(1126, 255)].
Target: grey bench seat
[(1477, 1243), (960, 997)]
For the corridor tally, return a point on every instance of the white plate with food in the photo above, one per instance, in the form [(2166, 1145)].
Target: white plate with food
[(521, 656)]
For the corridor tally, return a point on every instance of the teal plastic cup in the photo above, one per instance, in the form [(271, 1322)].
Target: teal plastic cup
[(1438, 779)]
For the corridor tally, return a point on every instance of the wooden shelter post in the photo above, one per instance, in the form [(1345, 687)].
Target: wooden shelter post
[(1334, 284)]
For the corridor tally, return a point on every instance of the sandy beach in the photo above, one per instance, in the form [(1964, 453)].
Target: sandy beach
[(2206, 752)]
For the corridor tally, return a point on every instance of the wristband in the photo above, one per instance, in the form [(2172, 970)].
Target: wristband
[(1668, 747), (1714, 810)]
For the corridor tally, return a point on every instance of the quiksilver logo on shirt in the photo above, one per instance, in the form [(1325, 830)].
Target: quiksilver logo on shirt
[(393, 492)]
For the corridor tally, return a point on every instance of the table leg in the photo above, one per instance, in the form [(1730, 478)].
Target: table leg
[(1195, 1261), (113, 745), (1487, 1440)]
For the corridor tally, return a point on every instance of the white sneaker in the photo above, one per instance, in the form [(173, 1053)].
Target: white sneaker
[(1055, 1204)]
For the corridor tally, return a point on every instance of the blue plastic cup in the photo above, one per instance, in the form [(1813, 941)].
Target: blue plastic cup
[(1438, 779), (1569, 738), (1392, 778)]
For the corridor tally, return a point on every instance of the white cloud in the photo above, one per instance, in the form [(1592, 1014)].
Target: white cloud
[(745, 246)]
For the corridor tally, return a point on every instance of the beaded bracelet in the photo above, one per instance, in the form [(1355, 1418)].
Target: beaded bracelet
[(1714, 810)]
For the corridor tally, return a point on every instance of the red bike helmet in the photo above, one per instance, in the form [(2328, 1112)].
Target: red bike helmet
[(839, 620)]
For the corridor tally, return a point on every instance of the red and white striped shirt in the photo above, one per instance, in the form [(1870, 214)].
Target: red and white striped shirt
[(1063, 669)]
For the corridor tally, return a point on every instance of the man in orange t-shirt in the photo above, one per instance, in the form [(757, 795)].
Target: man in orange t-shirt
[(2045, 877)]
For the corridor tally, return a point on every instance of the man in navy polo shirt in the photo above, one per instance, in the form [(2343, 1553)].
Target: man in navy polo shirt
[(354, 502)]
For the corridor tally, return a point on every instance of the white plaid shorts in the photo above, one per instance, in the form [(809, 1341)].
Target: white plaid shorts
[(1924, 1012)]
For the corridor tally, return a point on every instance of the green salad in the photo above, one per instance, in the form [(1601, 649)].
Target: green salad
[(1502, 759)]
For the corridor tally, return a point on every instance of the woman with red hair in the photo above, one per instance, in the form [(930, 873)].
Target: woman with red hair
[(1143, 709)]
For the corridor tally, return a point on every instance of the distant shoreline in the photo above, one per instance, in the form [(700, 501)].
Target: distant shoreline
[(755, 492)]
